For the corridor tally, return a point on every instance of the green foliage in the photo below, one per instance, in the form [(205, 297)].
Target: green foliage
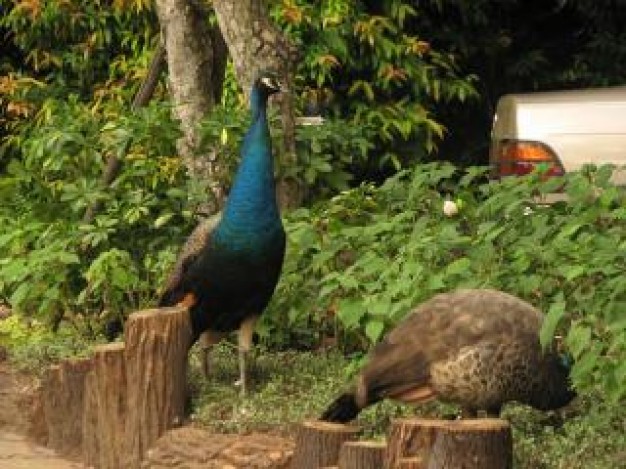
[(357, 264), (52, 263), (326, 153), (76, 44), (290, 387), (33, 347), (369, 66)]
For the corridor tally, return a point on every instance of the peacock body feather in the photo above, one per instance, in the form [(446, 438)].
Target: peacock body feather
[(476, 348)]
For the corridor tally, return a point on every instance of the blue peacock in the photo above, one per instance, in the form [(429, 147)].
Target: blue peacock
[(229, 266)]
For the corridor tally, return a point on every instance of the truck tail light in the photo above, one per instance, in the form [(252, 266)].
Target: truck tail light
[(518, 157)]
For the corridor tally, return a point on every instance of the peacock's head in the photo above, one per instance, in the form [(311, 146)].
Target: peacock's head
[(268, 82), (557, 389)]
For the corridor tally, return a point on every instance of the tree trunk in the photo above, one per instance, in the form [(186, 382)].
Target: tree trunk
[(444, 444), (156, 346), (362, 455), (256, 44), (318, 443), (105, 409), (63, 397), (196, 59)]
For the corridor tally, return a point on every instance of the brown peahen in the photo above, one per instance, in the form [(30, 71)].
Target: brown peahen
[(475, 348)]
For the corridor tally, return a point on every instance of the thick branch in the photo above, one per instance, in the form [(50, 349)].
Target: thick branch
[(142, 98)]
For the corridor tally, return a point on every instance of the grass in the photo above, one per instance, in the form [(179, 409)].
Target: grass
[(289, 387)]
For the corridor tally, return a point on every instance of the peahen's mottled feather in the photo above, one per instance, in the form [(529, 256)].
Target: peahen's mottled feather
[(477, 348)]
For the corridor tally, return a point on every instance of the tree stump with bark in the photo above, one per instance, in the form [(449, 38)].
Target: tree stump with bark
[(156, 346), (410, 463), (63, 398), (442, 444), (318, 443), (105, 409), (362, 455)]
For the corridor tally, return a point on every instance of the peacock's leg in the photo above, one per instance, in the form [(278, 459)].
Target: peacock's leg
[(206, 341), (205, 360), (246, 330)]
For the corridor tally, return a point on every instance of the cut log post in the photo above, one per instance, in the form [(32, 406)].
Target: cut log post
[(157, 342), (362, 455), (63, 397), (104, 440), (410, 463), (443, 444), (318, 443)]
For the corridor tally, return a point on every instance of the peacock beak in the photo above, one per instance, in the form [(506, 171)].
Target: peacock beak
[(272, 84)]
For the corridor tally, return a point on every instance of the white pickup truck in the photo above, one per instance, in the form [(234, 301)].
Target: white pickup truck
[(561, 129)]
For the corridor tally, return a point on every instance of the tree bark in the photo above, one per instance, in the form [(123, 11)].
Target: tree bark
[(105, 409), (156, 346), (410, 463), (318, 443), (443, 444), (63, 397), (256, 44), (362, 455), (196, 59)]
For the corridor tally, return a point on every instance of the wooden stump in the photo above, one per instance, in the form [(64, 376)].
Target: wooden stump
[(442, 444), (157, 342), (318, 443), (105, 409), (410, 463), (362, 455), (63, 398)]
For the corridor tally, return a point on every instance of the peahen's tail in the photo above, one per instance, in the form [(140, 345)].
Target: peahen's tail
[(343, 409)]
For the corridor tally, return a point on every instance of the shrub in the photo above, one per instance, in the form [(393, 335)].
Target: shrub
[(357, 264)]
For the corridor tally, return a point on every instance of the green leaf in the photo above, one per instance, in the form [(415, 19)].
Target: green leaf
[(459, 266), (374, 329), (350, 312), (551, 320), (578, 339), (163, 219)]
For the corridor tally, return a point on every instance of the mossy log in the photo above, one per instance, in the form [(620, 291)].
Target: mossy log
[(105, 409), (156, 346), (318, 443), (63, 398), (443, 444), (362, 455)]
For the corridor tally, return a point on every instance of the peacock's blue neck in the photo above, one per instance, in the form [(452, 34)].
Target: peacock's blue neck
[(251, 207)]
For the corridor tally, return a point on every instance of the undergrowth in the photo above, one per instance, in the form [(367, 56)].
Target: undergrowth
[(289, 387)]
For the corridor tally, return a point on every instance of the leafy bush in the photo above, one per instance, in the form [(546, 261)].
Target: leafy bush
[(357, 264), (326, 153), (368, 64), (55, 265)]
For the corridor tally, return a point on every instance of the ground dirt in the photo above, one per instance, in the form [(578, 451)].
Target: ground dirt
[(16, 449), (23, 436)]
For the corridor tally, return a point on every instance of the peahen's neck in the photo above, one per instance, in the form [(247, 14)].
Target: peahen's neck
[(251, 206)]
